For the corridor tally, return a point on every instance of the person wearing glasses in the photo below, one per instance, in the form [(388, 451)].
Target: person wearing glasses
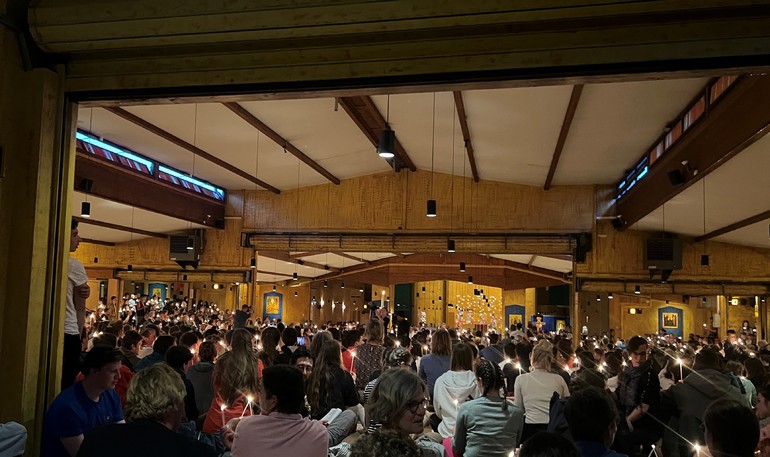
[(638, 394), (398, 405)]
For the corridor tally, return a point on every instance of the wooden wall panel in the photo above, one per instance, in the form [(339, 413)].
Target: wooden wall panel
[(461, 295), (234, 203), (388, 202), (521, 297), (620, 254), (223, 247), (627, 325)]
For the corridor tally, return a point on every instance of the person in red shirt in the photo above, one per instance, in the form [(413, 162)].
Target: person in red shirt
[(350, 340)]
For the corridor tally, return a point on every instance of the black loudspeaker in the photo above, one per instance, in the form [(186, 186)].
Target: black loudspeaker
[(676, 177), (219, 223), (584, 246), (704, 260)]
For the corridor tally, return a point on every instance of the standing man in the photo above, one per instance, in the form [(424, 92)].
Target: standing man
[(141, 310), (74, 311)]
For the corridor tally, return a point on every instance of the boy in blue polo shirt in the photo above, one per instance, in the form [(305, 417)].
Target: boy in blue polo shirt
[(86, 405)]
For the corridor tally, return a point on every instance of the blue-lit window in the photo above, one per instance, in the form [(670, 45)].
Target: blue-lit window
[(189, 182), (114, 153)]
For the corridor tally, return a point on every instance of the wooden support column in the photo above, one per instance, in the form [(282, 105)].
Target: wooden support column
[(35, 180)]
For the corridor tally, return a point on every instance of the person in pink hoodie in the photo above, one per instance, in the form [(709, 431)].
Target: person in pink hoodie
[(280, 430)]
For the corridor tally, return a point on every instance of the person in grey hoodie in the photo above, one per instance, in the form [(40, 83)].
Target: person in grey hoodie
[(200, 376), (454, 387), (687, 402)]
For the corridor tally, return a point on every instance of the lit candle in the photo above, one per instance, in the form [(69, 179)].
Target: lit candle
[(222, 409), (681, 375), (518, 367), (424, 349), (249, 403), (455, 402), (697, 449)]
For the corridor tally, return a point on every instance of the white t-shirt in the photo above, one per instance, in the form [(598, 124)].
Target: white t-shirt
[(533, 391), (76, 276)]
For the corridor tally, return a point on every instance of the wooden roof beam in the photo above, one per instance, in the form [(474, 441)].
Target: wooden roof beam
[(463, 117), (285, 257), (115, 183), (577, 91), (252, 120), (134, 119), (367, 117), (352, 257), (122, 228), (733, 123), (734, 226)]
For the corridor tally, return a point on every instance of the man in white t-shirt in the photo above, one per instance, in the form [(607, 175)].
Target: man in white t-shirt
[(74, 311)]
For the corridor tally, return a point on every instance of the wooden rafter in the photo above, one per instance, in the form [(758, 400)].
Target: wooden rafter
[(285, 257), (463, 117), (369, 120), (252, 120), (577, 91), (134, 119), (99, 242), (123, 228), (352, 257), (734, 226), (731, 125)]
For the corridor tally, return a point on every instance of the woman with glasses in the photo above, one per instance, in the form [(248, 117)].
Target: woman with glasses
[(398, 405), (638, 395), (488, 425)]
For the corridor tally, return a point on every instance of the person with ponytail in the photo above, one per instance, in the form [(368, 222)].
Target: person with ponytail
[(488, 425), (533, 390)]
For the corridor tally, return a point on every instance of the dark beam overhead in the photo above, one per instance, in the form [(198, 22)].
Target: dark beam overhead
[(577, 91), (285, 257), (252, 120), (531, 261), (364, 113), (463, 117), (123, 228), (733, 124), (189, 147), (118, 184), (352, 257), (734, 226)]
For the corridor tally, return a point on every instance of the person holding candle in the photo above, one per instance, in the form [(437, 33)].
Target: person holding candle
[(369, 355), (453, 388), (280, 430), (490, 424), (235, 376), (592, 419), (731, 429), (329, 386), (438, 361), (686, 402)]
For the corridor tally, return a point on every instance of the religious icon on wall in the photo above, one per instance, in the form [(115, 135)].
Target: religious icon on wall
[(514, 319), (670, 320), (539, 324), (561, 325), (272, 305)]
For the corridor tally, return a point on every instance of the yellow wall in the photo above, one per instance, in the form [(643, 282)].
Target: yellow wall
[(521, 297), (694, 316)]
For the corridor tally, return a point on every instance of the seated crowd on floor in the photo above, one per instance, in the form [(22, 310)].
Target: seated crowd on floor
[(181, 382)]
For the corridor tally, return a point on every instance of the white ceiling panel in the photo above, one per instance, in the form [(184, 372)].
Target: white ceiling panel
[(562, 266), (615, 124)]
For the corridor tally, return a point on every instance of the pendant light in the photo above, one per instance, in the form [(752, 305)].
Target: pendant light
[(326, 283), (470, 279), (431, 205), (387, 144), (462, 267), (295, 276), (85, 208), (450, 245), (637, 290), (253, 262)]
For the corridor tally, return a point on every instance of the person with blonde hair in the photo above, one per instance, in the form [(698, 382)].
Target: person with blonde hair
[(533, 390), (154, 412)]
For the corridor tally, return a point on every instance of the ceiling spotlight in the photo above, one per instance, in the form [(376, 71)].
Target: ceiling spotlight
[(450, 246), (598, 297), (85, 209), (610, 296), (326, 283), (387, 144), (295, 293), (342, 285), (130, 268), (431, 212), (462, 267), (361, 289), (637, 290), (273, 287)]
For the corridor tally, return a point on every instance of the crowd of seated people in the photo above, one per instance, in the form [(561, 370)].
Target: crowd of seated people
[(201, 386)]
